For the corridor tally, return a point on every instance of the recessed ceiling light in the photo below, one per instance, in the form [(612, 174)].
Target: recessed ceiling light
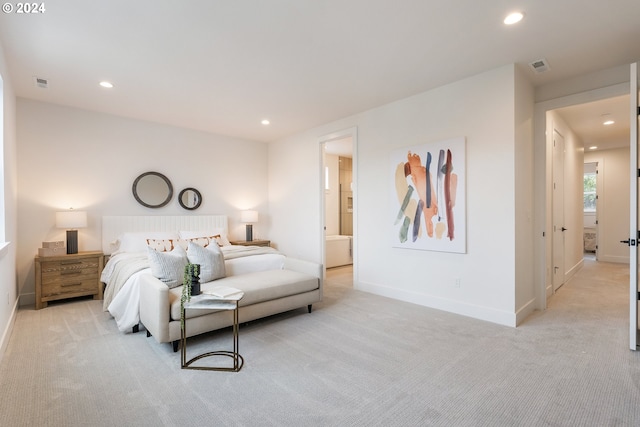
[(513, 18), (265, 122), (608, 122), (106, 84), (593, 147)]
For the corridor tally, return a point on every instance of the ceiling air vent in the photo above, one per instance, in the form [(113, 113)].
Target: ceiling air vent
[(41, 83), (539, 65)]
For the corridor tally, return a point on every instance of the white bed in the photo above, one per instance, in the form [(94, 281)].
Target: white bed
[(124, 239)]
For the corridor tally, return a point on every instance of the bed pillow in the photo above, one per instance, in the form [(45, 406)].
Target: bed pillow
[(167, 245), (210, 259), (137, 242), (163, 245), (217, 233), (168, 267)]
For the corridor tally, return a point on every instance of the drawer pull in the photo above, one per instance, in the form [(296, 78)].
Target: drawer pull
[(70, 262), (65, 285)]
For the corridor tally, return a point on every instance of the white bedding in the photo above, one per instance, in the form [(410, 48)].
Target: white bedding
[(124, 303)]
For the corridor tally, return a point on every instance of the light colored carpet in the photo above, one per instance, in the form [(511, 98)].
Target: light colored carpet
[(358, 359)]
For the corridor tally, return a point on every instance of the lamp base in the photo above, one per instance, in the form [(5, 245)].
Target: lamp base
[(249, 237), (72, 241)]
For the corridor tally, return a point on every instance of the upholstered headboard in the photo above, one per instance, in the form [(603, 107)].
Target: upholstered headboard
[(114, 226)]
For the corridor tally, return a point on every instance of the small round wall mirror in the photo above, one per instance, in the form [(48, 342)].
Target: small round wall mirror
[(152, 189), (190, 198)]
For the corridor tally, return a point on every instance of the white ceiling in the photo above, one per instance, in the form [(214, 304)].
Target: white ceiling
[(587, 120), (223, 66)]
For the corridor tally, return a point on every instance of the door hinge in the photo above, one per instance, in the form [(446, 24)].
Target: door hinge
[(639, 111), (638, 296)]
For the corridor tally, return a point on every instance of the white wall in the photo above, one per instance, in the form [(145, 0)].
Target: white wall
[(613, 203), (525, 285), (85, 160), (8, 286), (481, 109)]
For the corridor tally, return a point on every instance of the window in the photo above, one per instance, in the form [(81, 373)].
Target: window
[(590, 178)]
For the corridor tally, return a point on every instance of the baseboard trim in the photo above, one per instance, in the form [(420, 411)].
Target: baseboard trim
[(573, 270), (27, 299), (6, 334), (525, 311), (613, 258), (445, 304)]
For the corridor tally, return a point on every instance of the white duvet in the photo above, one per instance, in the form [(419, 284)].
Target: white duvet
[(122, 294)]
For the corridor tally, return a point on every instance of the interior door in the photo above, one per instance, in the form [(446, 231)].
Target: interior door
[(633, 216), (558, 210)]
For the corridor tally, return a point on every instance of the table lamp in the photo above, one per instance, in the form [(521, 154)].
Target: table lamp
[(71, 220), (249, 217)]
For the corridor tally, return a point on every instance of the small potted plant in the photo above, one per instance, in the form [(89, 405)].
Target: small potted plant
[(190, 286), (192, 278)]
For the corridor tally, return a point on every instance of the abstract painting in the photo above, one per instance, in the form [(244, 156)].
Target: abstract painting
[(428, 197)]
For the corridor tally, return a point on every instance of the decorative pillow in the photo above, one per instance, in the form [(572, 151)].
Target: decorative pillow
[(218, 233), (168, 266), (163, 245), (210, 259), (167, 245), (202, 241), (137, 242)]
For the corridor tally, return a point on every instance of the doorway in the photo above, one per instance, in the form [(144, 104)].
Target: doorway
[(338, 195), (544, 135)]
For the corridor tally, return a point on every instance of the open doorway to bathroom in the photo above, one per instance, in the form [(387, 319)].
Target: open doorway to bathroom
[(338, 197)]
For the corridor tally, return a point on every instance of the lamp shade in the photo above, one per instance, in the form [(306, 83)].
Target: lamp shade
[(71, 219), (249, 216)]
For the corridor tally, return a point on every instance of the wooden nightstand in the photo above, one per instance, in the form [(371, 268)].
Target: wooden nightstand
[(252, 243), (68, 276)]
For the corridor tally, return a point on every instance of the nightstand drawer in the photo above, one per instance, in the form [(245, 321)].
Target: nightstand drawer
[(52, 271), (79, 284)]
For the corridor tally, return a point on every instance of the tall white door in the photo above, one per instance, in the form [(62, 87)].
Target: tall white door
[(558, 210), (633, 216)]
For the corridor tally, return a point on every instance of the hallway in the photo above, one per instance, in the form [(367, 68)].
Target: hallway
[(595, 301)]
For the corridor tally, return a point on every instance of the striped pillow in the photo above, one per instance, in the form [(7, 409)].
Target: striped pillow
[(168, 266), (210, 259)]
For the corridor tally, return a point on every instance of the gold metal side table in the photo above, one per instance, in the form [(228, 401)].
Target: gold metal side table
[(211, 302)]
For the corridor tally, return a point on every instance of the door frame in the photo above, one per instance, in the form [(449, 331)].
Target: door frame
[(543, 178), (633, 205), (341, 134)]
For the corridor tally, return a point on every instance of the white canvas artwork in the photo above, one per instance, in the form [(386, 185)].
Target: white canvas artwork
[(428, 196)]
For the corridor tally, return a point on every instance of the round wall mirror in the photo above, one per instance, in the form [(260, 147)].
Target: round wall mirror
[(152, 189), (190, 198)]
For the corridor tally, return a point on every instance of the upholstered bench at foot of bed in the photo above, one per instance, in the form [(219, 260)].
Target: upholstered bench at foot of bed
[(266, 293), (257, 287)]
